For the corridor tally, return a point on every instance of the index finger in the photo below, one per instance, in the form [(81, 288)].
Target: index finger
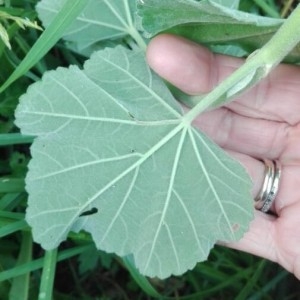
[(196, 70)]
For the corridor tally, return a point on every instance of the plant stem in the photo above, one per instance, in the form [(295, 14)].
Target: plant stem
[(138, 38), (284, 40), (257, 66), (46, 287), (286, 8)]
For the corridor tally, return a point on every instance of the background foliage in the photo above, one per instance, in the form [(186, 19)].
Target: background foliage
[(83, 272)]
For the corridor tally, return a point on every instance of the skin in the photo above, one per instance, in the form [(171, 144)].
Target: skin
[(262, 123)]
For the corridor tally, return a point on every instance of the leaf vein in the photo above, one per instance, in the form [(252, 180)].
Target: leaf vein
[(87, 164), (145, 87), (216, 158), (211, 185), (118, 212), (168, 197), (190, 221)]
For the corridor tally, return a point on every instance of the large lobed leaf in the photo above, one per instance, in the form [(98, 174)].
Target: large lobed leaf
[(112, 142), (99, 21), (208, 22)]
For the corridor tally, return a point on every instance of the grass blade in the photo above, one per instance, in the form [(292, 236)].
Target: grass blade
[(12, 185), (38, 263), (11, 228), (248, 288), (265, 290), (48, 39), (11, 215), (11, 200), (141, 280), (20, 284), (7, 139)]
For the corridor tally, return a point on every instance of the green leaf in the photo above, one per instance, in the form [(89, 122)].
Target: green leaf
[(92, 258), (100, 20), (205, 22), (115, 156), (229, 50)]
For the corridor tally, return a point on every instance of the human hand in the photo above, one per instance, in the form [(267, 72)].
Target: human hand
[(262, 123)]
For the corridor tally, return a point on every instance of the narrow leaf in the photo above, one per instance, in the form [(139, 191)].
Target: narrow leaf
[(14, 138), (48, 39), (12, 228), (38, 263), (11, 185), (141, 280), (20, 284)]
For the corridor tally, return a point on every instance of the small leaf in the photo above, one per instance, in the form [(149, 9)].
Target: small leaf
[(248, 81), (229, 50), (112, 137), (89, 260)]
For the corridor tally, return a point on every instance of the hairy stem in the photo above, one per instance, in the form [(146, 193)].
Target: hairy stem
[(256, 67)]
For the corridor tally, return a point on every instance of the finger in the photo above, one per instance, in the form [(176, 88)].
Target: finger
[(255, 137), (195, 70), (288, 187), (274, 238), (261, 238), (289, 181), (255, 168)]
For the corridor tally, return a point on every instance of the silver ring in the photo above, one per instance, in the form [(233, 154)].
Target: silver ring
[(270, 186)]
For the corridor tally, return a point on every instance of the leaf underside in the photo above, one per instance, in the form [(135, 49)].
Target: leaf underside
[(99, 21), (208, 22), (216, 23), (115, 156)]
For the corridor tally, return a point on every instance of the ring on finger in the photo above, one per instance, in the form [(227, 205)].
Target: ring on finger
[(270, 187)]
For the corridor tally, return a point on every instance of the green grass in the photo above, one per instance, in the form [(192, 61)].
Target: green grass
[(77, 270)]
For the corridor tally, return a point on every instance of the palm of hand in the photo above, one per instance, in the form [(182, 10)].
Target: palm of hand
[(277, 237), (264, 123)]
